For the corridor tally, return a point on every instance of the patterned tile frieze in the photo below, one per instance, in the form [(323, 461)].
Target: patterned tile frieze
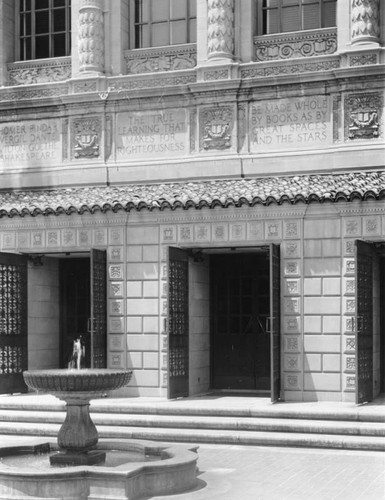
[(291, 324), (352, 227), (372, 226), (291, 249), (292, 362), (349, 247), (292, 286), (292, 343), (116, 254)]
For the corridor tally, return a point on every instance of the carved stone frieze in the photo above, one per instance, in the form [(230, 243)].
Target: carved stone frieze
[(39, 71), (362, 115), (33, 93), (365, 20), (293, 45), (86, 134), (363, 60), (91, 36), (216, 126), (135, 83), (258, 71), (161, 59), (220, 29)]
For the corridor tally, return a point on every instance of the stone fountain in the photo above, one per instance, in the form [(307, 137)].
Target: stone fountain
[(76, 469)]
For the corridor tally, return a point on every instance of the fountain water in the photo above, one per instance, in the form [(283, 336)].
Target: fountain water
[(73, 474)]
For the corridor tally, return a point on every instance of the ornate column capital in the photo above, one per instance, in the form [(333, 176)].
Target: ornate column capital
[(220, 29), (365, 21), (91, 36)]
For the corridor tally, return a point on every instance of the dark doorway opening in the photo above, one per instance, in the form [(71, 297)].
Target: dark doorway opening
[(239, 316), (382, 324), (75, 308)]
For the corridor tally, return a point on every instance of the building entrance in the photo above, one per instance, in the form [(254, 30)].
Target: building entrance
[(240, 336)]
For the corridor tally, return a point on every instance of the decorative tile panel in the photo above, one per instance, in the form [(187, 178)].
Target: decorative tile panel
[(116, 254), (292, 287), (202, 232), (100, 236), (115, 360), (237, 232), (292, 362), (350, 286), (116, 288), (116, 236), (291, 229), (349, 266), (168, 234), (372, 226), (291, 382), (292, 343), (220, 232), (350, 344), (291, 324), (291, 268), (363, 116), (352, 227), (255, 231), (291, 249), (273, 230), (53, 238), (349, 247), (349, 383), (23, 240), (116, 272), (116, 324), (116, 307), (85, 237), (349, 364), (349, 306), (186, 234), (68, 237), (291, 306), (38, 239), (116, 342), (9, 240)]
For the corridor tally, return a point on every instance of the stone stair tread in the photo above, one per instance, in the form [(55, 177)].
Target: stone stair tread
[(192, 421), (211, 436)]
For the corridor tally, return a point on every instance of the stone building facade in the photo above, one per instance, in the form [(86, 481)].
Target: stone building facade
[(197, 191)]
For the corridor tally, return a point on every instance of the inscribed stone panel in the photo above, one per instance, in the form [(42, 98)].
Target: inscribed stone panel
[(150, 134), (296, 123), (30, 144)]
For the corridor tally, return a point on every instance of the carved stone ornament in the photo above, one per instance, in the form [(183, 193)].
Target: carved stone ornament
[(39, 71), (220, 29), (365, 20), (289, 45), (216, 126), (86, 137), (91, 36), (362, 115), (161, 59)]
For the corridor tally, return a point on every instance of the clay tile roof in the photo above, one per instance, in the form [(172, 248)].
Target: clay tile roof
[(197, 194)]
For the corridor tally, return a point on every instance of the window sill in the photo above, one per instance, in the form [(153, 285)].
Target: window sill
[(57, 69), (156, 59), (295, 44)]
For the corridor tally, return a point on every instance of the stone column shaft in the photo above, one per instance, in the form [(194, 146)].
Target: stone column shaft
[(365, 21), (91, 36), (220, 29)]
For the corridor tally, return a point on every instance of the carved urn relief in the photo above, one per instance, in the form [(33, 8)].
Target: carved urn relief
[(365, 21), (91, 36), (220, 29), (216, 128)]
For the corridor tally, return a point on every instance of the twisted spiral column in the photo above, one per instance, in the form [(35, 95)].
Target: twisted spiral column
[(91, 36), (220, 30), (365, 21)]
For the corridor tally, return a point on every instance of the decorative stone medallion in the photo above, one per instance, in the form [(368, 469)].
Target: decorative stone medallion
[(86, 133), (362, 116), (216, 125)]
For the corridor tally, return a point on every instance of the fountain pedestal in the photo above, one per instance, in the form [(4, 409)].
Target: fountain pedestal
[(78, 436)]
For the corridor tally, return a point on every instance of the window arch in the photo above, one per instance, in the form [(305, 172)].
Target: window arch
[(164, 22), (279, 16), (44, 28)]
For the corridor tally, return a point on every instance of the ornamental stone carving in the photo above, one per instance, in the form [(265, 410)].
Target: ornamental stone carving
[(220, 30), (40, 71), (289, 46), (365, 21), (91, 36), (216, 126), (86, 134), (362, 115), (161, 59)]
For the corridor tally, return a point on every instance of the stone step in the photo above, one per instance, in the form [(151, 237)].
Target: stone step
[(214, 436), (258, 424)]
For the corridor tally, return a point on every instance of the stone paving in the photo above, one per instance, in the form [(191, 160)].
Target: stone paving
[(263, 473)]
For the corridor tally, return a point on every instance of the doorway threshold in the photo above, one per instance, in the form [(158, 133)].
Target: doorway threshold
[(239, 392)]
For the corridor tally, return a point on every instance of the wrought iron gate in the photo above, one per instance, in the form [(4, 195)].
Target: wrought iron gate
[(364, 322), (178, 323), (13, 323), (275, 338), (98, 322)]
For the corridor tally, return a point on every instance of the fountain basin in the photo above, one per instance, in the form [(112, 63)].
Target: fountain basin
[(175, 472), (78, 436)]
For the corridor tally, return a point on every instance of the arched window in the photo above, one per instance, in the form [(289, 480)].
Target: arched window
[(279, 16), (44, 28), (164, 22)]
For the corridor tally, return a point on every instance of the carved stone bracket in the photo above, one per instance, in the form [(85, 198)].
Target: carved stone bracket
[(39, 71), (215, 127), (86, 134), (362, 115), (365, 21), (91, 36), (152, 60), (220, 29), (293, 45)]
